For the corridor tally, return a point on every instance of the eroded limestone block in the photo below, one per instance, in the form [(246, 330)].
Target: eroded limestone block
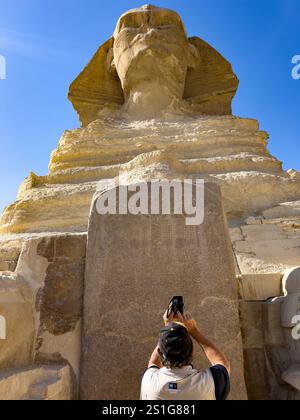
[(50, 274), (16, 347), (260, 286), (135, 264)]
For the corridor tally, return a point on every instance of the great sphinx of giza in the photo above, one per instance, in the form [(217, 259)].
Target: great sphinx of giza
[(152, 94), (151, 69), (153, 104), (149, 95)]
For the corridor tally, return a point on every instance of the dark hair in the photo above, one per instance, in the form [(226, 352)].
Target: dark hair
[(171, 363)]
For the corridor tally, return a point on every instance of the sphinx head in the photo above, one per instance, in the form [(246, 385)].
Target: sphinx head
[(150, 65), (152, 54)]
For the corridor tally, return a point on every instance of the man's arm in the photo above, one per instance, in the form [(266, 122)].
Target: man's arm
[(155, 359), (214, 355), (220, 369)]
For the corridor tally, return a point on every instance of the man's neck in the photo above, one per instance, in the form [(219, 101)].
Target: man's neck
[(149, 100)]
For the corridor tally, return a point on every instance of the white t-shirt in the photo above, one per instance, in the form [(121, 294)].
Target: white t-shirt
[(185, 384)]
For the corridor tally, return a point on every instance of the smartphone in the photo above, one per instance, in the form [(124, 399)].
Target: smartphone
[(176, 305)]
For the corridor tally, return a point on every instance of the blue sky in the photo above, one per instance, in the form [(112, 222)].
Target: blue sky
[(46, 43)]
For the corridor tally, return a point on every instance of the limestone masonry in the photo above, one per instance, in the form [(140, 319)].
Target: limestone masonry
[(153, 104)]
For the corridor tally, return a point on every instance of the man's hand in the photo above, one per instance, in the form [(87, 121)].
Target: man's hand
[(170, 319), (189, 323), (187, 320)]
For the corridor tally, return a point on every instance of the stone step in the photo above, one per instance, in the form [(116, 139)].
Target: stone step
[(45, 382)]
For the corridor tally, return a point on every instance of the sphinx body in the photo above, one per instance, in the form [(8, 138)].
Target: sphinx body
[(151, 95)]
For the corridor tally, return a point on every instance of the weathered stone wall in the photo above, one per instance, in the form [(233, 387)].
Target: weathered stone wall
[(272, 355), (42, 305), (268, 243), (51, 269), (16, 349)]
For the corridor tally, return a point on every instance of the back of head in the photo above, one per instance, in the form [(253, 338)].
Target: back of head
[(176, 346)]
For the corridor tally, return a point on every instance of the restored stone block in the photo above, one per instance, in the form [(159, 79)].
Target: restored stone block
[(256, 374), (262, 232), (251, 318), (260, 286), (17, 348)]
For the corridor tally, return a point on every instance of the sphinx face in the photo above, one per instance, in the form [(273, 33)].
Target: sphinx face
[(151, 46)]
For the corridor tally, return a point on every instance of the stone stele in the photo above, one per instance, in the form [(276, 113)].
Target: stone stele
[(153, 103), (135, 264)]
